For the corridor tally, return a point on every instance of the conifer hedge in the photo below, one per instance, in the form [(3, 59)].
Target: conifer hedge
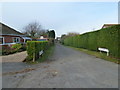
[(34, 47), (105, 38)]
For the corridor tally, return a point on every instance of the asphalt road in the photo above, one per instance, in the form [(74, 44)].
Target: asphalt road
[(67, 68)]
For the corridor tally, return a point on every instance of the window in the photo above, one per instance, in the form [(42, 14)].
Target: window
[(1, 40), (16, 39)]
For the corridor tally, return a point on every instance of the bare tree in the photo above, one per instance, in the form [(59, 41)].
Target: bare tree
[(72, 34), (32, 29)]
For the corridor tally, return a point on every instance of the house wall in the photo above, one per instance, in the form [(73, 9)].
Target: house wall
[(9, 38)]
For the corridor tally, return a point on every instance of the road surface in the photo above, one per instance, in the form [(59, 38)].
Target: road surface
[(67, 68)]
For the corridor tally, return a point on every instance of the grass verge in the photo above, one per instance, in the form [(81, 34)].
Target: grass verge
[(98, 55), (44, 57), (47, 54)]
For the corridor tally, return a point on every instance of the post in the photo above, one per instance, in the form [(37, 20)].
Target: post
[(107, 53), (33, 57)]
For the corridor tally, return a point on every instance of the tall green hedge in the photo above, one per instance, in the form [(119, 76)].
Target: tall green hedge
[(106, 38), (93, 39), (109, 38), (33, 48)]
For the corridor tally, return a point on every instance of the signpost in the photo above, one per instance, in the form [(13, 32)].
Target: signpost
[(41, 52)]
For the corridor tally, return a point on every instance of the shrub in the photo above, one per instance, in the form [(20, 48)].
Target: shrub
[(16, 47), (23, 47), (51, 41), (33, 48), (6, 50)]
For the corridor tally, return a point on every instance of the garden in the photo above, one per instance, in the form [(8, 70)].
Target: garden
[(6, 49)]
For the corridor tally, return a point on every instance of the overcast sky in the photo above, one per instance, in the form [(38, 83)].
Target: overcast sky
[(63, 17)]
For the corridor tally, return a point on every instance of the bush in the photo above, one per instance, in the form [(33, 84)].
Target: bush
[(106, 38), (34, 47), (6, 50), (16, 47), (51, 41), (23, 47)]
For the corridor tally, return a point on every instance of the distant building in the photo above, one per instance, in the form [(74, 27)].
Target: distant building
[(58, 38), (108, 25), (42, 39), (9, 36)]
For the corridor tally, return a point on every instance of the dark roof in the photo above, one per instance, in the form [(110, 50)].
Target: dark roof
[(108, 25), (6, 30)]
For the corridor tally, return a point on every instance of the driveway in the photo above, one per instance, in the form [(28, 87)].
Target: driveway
[(67, 68), (13, 62)]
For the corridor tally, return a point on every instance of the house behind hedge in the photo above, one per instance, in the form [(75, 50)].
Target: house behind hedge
[(108, 25), (9, 36)]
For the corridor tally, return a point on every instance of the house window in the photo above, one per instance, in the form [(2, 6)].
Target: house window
[(1, 40), (16, 39)]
